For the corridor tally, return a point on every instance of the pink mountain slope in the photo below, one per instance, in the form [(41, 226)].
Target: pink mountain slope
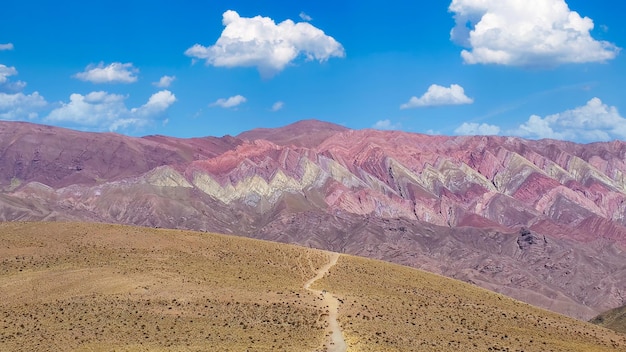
[(542, 221)]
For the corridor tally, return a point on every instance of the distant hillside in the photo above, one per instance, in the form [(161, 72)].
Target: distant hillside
[(95, 287), (541, 221), (614, 319), (306, 133)]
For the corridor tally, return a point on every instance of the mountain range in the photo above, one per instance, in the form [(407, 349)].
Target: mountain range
[(541, 221)]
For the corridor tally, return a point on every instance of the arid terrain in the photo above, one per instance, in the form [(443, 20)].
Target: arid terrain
[(614, 319), (103, 287), (97, 287), (541, 221)]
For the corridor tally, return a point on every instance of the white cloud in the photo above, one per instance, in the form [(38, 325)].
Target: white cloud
[(101, 110), (5, 72), (259, 42), (12, 87), (595, 121), (91, 110), (20, 106), (116, 72), (157, 103), (386, 125), (536, 127), (305, 17), (7, 46), (525, 33), (438, 95), (7, 86), (433, 132), (474, 129), (15, 105), (230, 102), (164, 82), (278, 105)]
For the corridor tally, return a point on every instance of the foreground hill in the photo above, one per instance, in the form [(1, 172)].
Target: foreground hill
[(614, 319), (542, 221), (94, 287)]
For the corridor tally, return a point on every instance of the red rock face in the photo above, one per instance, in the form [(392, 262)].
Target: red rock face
[(542, 221)]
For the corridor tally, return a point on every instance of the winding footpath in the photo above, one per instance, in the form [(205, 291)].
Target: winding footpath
[(336, 342)]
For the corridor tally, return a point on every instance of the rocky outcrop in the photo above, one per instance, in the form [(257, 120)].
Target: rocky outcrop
[(527, 239)]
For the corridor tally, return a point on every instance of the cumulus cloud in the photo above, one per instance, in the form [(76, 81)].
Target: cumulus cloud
[(230, 102), (15, 105), (260, 42), (305, 17), (7, 46), (278, 105), (157, 103), (164, 82), (525, 33), (12, 87), (20, 106), (474, 129), (536, 127), (6, 72), (90, 110), (101, 110), (386, 125), (116, 72), (5, 84), (438, 95), (595, 121)]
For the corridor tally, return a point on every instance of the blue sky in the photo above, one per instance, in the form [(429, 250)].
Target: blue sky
[(531, 68)]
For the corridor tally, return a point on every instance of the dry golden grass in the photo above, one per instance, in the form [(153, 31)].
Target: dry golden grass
[(96, 287), (397, 308)]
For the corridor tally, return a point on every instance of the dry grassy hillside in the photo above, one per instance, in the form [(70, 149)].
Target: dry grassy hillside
[(387, 307), (101, 287), (614, 319), (95, 287)]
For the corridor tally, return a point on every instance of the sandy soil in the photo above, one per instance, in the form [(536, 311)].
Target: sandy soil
[(336, 342)]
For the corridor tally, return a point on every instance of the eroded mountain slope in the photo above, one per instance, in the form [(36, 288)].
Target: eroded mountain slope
[(542, 221)]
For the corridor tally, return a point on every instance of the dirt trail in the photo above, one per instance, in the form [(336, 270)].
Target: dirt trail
[(336, 342)]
